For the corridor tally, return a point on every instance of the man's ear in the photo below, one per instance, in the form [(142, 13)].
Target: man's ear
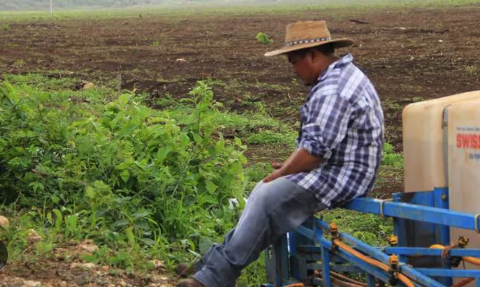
[(315, 55)]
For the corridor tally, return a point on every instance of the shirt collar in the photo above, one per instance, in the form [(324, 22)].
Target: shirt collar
[(344, 60)]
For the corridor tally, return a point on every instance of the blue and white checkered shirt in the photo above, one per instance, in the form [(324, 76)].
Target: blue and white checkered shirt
[(341, 123)]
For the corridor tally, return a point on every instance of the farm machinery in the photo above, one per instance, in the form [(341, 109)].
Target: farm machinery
[(436, 238)]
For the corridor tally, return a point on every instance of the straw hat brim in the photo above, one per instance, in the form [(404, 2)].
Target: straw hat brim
[(337, 43)]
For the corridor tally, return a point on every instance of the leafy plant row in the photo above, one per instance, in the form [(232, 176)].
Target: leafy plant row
[(118, 172)]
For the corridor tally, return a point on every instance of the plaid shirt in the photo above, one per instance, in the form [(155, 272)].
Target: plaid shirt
[(342, 123)]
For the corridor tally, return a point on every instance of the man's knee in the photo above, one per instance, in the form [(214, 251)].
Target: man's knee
[(255, 190), (264, 195)]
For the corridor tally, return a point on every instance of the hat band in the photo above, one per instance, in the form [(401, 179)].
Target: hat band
[(306, 41)]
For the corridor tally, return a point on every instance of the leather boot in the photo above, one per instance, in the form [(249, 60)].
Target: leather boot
[(185, 270)]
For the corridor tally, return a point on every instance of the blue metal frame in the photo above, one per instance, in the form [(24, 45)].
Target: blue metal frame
[(414, 212), (429, 210), (418, 251), (424, 234)]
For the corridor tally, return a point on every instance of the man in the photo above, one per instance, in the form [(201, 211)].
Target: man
[(339, 149)]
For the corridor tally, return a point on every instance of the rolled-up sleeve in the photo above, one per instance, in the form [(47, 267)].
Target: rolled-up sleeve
[(326, 125)]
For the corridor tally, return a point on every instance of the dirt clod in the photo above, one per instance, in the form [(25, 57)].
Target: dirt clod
[(88, 246), (83, 265), (4, 222), (33, 236), (88, 86), (158, 264)]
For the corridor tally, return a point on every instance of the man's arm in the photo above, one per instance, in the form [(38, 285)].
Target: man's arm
[(326, 128), (300, 161)]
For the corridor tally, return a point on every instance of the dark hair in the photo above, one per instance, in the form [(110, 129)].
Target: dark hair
[(326, 49)]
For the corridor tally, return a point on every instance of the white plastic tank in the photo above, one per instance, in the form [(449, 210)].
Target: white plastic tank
[(424, 142), (464, 165)]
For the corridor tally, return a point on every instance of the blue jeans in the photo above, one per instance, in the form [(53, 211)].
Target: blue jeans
[(272, 210)]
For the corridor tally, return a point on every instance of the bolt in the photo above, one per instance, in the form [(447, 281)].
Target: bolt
[(392, 240)]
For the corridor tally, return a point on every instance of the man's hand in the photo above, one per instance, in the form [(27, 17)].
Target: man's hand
[(300, 161), (276, 165), (274, 175)]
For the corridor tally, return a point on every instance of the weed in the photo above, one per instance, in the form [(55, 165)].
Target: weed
[(255, 173), (269, 137), (254, 274), (18, 63), (43, 248), (392, 105), (165, 102), (266, 86), (370, 228), (234, 86), (471, 70), (390, 158), (5, 27), (417, 99), (261, 108), (215, 83), (263, 38)]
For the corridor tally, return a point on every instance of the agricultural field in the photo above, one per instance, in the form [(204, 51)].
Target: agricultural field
[(87, 98)]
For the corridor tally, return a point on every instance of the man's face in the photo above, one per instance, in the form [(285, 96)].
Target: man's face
[(303, 66)]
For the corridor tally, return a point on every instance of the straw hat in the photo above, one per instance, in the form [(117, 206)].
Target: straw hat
[(302, 35)]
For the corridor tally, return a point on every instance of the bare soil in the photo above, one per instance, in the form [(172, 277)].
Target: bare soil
[(64, 267)]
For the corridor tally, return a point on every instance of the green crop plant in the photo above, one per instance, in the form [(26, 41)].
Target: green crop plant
[(263, 38), (390, 158), (5, 27), (127, 176)]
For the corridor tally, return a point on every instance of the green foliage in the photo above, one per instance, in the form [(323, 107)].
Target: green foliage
[(120, 173), (254, 275), (241, 125), (261, 108), (53, 82), (390, 158), (42, 248), (5, 27), (258, 171), (263, 38), (471, 70), (270, 137), (248, 123), (370, 228)]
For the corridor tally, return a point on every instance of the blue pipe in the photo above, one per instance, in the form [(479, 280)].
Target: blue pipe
[(459, 273), (420, 251)]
